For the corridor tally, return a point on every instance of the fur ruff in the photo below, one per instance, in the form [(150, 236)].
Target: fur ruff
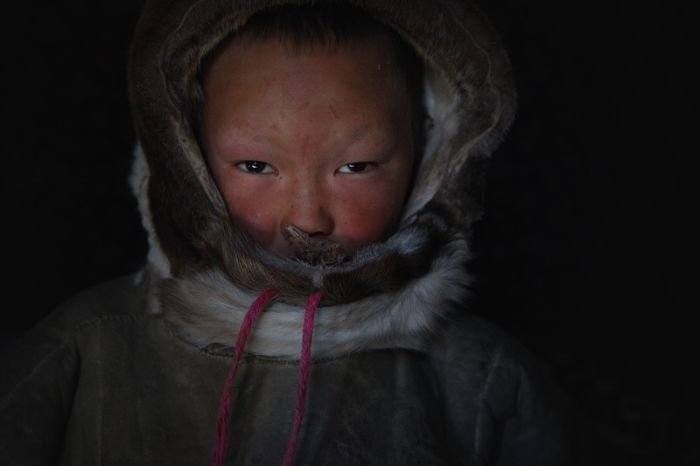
[(207, 309)]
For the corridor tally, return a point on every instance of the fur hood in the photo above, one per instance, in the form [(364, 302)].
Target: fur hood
[(203, 271)]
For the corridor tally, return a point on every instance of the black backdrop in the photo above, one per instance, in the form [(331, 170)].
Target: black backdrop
[(584, 254)]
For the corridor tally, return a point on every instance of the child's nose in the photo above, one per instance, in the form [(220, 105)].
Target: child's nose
[(308, 211)]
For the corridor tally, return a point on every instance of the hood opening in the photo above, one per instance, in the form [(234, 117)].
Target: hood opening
[(469, 98)]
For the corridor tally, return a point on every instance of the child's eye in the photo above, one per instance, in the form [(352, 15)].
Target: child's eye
[(254, 166), (355, 167)]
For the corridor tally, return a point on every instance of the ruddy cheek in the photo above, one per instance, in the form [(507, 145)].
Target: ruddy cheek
[(363, 227), (260, 229), (252, 219)]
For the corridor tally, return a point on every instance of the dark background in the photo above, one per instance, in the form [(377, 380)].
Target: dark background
[(584, 254)]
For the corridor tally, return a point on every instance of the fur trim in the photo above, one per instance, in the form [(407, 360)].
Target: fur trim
[(442, 109), (138, 180), (206, 309)]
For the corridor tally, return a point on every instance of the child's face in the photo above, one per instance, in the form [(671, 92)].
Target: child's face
[(314, 138)]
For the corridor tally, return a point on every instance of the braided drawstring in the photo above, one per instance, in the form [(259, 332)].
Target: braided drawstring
[(224, 413)]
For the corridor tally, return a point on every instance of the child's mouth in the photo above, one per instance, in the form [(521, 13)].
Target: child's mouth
[(315, 251)]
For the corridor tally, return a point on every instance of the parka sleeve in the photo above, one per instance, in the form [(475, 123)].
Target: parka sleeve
[(528, 420), (501, 405), (36, 396)]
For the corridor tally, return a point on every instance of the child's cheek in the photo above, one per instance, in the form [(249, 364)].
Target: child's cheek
[(254, 214), (256, 224), (369, 217)]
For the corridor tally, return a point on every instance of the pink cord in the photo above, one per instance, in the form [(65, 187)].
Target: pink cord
[(304, 366), (224, 413), (223, 416)]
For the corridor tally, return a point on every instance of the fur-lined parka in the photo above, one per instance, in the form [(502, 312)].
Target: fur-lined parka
[(131, 372)]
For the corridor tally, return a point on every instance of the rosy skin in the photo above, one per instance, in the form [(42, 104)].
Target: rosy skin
[(316, 138)]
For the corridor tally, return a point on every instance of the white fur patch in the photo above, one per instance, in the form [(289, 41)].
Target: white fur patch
[(138, 179), (210, 309), (442, 108)]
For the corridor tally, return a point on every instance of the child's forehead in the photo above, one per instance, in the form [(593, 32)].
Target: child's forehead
[(376, 58), (346, 97), (265, 71)]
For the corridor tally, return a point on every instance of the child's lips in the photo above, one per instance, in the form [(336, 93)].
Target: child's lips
[(316, 251)]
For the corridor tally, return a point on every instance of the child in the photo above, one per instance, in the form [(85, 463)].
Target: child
[(308, 175)]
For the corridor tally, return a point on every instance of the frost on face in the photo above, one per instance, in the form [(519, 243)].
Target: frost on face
[(315, 251)]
